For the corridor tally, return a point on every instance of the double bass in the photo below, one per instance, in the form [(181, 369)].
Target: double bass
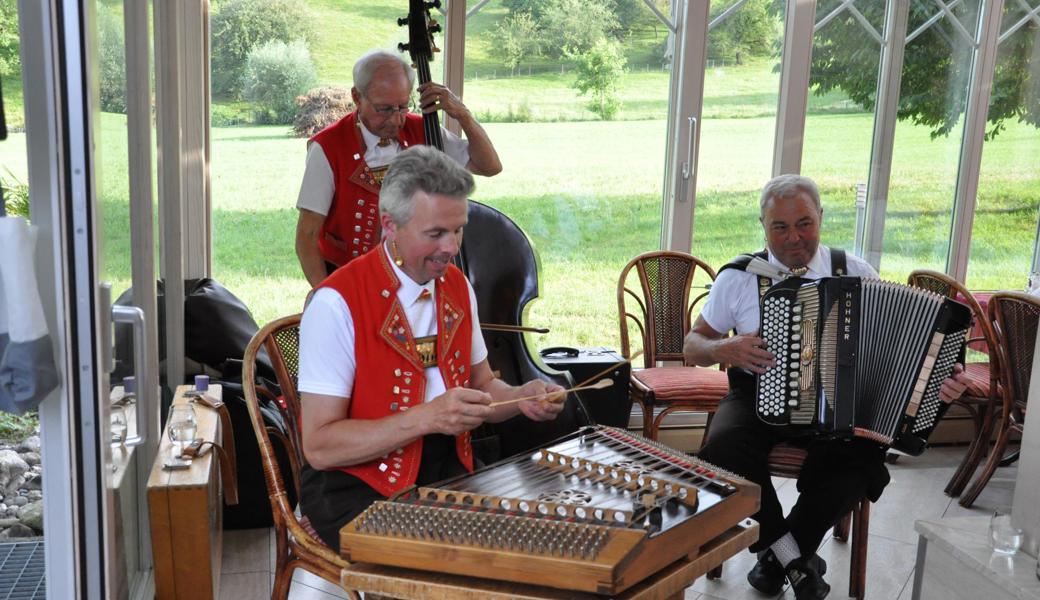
[(497, 258)]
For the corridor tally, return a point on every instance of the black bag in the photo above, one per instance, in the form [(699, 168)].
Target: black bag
[(217, 329), (254, 508)]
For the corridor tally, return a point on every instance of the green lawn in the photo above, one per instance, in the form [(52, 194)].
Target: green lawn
[(590, 203), (587, 192)]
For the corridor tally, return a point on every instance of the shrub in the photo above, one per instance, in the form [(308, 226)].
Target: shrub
[(112, 59), (225, 115), (319, 108), (239, 26), (16, 196), (275, 74)]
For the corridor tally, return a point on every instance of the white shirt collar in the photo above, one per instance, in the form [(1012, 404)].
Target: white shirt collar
[(371, 139), (816, 265), (410, 290)]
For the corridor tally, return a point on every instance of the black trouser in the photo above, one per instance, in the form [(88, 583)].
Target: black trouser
[(836, 473), (331, 499)]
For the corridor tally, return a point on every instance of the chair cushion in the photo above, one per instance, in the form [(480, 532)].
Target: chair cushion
[(978, 374), (786, 460), (307, 526), (684, 384)]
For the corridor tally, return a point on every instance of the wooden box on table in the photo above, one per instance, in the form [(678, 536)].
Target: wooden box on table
[(186, 513)]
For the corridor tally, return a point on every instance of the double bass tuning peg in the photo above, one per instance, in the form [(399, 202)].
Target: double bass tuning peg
[(402, 47), (433, 4), (402, 21), (436, 28)]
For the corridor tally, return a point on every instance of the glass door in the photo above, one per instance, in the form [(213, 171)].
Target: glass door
[(121, 108), (85, 104)]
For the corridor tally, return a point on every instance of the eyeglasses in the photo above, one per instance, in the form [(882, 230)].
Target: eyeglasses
[(389, 111)]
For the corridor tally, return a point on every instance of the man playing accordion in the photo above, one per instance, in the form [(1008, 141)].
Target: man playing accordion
[(837, 473)]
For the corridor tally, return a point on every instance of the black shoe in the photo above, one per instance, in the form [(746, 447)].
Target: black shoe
[(768, 576), (806, 580)]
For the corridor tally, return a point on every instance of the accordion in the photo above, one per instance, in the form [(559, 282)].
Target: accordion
[(859, 358)]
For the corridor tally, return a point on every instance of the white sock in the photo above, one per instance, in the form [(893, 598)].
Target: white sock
[(786, 549)]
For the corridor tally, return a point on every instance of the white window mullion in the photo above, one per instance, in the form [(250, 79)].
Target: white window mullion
[(454, 55), (142, 236), (796, 63), (686, 98), (169, 140), (885, 117), (981, 83)]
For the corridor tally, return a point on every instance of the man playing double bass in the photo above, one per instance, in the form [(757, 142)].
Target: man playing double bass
[(338, 217)]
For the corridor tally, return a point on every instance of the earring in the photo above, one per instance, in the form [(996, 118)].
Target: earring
[(393, 251)]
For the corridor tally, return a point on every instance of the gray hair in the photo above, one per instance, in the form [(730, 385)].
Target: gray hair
[(421, 168), (788, 186), (365, 68)]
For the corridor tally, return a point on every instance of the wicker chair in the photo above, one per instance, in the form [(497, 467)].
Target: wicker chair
[(1014, 317), (298, 546), (982, 399), (654, 292)]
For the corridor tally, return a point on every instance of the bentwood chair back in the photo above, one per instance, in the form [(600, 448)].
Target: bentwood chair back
[(297, 544), (982, 399), (654, 294), (1014, 316)]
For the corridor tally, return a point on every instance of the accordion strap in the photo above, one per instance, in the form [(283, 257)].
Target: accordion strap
[(839, 266)]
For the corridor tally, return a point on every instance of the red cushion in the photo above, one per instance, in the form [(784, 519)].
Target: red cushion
[(684, 384), (978, 374), (786, 460)]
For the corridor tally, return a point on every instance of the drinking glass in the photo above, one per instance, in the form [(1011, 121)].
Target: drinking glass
[(117, 417), (181, 426), (1004, 537)]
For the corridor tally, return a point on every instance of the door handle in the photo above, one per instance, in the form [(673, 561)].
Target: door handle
[(687, 166), (135, 318)]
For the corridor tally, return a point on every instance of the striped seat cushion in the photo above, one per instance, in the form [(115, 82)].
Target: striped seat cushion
[(786, 460), (684, 384), (305, 522), (978, 374)]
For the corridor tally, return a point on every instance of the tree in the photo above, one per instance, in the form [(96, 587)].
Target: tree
[(598, 71), (239, 26), (574, 26), (10, 63), (936, 68), (751, 30), (515, 39)]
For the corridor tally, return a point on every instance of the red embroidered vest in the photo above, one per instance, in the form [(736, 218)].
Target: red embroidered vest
[(389, 374), (352, 226)]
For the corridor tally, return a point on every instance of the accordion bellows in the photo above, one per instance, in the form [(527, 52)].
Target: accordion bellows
[(859, 357)]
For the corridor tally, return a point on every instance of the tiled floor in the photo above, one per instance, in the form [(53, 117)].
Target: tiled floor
[(915, 493)]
